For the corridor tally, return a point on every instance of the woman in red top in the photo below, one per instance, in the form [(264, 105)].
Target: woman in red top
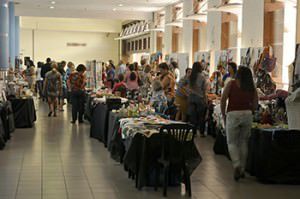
[(77, 84), (120, 87), (242, 101)]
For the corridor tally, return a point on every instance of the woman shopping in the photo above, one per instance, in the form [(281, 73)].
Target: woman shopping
[(77, 82), (197, 100), (53, 88), (242, 101)]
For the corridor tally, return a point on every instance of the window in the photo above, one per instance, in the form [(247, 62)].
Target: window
[(149, 43), (136, 45), (128, 46), (132, 46), (140, 44), (145, 43)]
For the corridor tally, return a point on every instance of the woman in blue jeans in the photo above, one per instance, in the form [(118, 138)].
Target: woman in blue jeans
[(242, 101), (76, 83)]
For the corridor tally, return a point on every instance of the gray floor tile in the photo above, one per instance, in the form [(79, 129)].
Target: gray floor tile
[(56, 160)]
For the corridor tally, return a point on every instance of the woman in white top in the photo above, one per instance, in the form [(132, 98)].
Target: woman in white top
[(39, 79), (174, 65)]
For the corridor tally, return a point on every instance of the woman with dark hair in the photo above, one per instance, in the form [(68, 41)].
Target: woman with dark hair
[(132, 83), (197, 100), (242, 101), (120, 87), (77, 84), (61, 98), (232, 69), (167, 80), (176, 70), (130, 80), (39, 79), (181, 98)]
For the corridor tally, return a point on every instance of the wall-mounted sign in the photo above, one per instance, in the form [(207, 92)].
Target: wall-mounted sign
[(76, 44)]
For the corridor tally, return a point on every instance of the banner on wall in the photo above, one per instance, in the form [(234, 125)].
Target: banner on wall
[(204, 58), (182, 59)]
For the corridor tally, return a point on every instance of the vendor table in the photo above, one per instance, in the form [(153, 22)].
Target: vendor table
[(274, 156), (99, 122), (143, 152), (24, 112)]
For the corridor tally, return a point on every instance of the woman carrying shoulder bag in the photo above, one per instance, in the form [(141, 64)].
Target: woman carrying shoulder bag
[(242, 101)]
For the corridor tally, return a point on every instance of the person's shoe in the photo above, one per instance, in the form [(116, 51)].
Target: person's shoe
[(73, 122), (49, 114), (54, 115), (237, 174), (243, 175), (80, 122)]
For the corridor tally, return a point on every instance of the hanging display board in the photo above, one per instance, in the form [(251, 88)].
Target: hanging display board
[(94, 74), (204, 58), (250, 55), (182, 59)]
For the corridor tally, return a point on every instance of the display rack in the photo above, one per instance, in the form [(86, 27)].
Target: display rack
[(94, 74)]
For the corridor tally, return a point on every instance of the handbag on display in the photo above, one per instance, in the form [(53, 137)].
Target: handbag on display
[(268, 62)]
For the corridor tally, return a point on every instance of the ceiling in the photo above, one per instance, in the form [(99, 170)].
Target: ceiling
[(102, 9)]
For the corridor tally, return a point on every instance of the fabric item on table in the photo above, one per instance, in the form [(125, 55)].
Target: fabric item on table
[(142, 154), (24, 112), (144, 125), (272, 156)]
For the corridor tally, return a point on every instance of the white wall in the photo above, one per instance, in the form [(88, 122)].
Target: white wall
[(253, 23), (43, 37), (48, 43)]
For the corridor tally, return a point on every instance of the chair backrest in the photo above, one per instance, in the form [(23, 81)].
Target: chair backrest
[(176, 140)]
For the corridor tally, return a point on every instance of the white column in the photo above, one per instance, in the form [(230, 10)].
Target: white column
[(153, 42), (187, 31), (203, 37), (253, 23), (167, 41), (214, 31), (289, 41), (298, 23)]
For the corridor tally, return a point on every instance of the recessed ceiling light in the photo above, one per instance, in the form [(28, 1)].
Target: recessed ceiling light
[(120, 5), (53, 2), (115, 9), (51, 7)]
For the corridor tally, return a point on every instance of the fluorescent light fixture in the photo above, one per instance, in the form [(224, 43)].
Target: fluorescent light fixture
[(175, 23), (235, 8), (157, 29), (197, 17), (120, 5), (115, 9), (53, 2), (133, 35), (51, 7)]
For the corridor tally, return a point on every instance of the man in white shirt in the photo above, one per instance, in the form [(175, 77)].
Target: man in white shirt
[(122, 68)]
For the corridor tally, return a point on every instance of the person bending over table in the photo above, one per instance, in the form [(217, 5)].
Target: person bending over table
[(243, 100), (197, 100), (77, 84)]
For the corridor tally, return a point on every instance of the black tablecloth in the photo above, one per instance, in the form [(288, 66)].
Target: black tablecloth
[(143, 153), (274, 156), (24, 112), (99, 122)]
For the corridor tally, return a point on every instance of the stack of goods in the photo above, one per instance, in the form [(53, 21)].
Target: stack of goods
[(135, 110), (270, 116)]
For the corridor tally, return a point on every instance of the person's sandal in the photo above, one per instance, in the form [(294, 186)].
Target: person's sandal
[(237, 174), (49, 114)]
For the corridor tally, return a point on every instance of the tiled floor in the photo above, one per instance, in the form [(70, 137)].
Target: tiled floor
[(58, 160)]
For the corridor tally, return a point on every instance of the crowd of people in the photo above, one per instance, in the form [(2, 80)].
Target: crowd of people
[(165, 90)]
